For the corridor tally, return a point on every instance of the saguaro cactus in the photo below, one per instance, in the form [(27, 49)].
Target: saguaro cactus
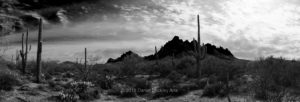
[(24, 52), (200, 50), (85, 70), (156, 56), (17, 57), (39, 53), (85, 59)]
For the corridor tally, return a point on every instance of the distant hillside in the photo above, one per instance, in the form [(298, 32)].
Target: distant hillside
[(177, 47)]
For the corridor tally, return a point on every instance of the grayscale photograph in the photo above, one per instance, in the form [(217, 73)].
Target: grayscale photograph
[(149, 50)]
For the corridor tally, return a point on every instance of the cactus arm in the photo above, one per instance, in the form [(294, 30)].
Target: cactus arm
[(203, 52)]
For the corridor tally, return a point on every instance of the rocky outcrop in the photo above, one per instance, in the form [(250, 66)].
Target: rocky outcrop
[(123, 56), (177, 46)]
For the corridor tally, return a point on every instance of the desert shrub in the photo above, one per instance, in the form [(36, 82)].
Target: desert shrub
[(139, 85), (220, 68), (33, 92), (168, 88), (102, 82), (149, 67), (68, 75), (51, 83), (240, 85), (130, 87), (51, 67), (200, 83), (213, 90), (146, 67), (290, 98), (42, 88), (68, 96), (116, 91), (90, 95), (273, 76), (75, 91), (55, 86), (80, 87), (58, 88), (8, 80), (129, 66), (48, 76), (210, 66), (259, 88), (188, 86), (122, 91), (102, 75), (263, 90), (163, 69), (128, 93), (128, 69), (186, 66), (174, 76)]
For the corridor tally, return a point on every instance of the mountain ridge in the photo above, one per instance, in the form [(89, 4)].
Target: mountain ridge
[(176, 47)]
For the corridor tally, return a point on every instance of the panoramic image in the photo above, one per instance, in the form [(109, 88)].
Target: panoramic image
[(149, 51)]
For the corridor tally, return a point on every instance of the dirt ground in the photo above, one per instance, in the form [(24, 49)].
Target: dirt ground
[(32, 92)]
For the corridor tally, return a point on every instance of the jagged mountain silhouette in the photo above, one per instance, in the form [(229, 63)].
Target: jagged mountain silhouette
[(176, 47), (123, 56)]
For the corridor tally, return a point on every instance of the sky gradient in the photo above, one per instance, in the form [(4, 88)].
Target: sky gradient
[(248, 28)]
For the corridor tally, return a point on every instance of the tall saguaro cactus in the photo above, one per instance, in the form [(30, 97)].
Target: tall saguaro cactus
[(39, 53), (24, 52), (85, 59), (200, 50), (85, 70)]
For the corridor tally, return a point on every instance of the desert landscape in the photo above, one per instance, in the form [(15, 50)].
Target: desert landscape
[(109, 51)]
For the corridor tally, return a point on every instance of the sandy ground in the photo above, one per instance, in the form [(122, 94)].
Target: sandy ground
[(39, 93), (193, 96)]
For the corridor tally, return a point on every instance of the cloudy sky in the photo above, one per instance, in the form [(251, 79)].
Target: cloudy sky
[(249, 28)]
